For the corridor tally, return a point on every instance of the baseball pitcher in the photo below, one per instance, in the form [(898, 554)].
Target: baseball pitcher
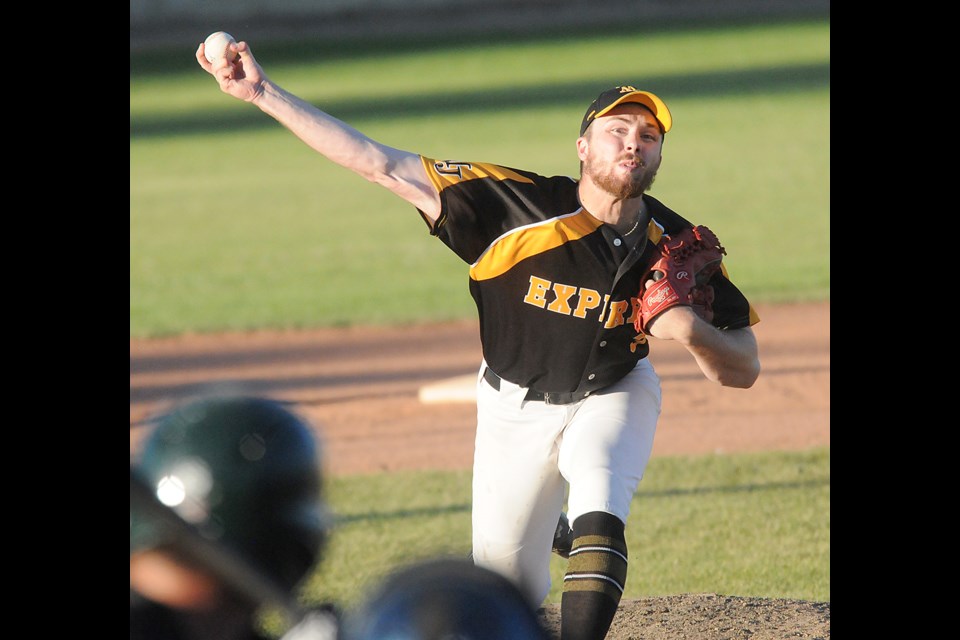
[(571, 278)]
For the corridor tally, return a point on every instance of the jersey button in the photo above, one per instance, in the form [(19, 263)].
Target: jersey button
[(617, 242), (591, 376), (603, 343)]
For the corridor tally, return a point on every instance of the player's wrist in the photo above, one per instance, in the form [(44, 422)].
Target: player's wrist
[(678, 323), (258, 93)]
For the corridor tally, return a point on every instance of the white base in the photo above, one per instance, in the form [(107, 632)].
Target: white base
[(458, 389)]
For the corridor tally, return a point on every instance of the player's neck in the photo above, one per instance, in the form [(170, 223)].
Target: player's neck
[(623, 214)]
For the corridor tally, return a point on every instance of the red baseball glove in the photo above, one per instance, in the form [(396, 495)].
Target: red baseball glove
[(687, 261)]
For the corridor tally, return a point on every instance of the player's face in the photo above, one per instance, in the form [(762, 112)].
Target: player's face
[(622, 149), (163, 578)]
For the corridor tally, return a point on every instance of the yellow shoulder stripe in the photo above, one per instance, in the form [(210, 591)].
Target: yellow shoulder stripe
[(521, 243)]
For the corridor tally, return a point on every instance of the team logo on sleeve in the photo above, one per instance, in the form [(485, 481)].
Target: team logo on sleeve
[(447, 168)]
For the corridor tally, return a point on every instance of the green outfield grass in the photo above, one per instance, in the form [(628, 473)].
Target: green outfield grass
[(753, 525), (236, 224)]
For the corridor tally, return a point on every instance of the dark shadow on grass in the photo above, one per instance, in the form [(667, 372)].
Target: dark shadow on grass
[(739, 488), (778, 79), (402, 514), (320, 42)]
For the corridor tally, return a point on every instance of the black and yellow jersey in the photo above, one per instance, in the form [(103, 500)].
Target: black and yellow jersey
[(555, 287)]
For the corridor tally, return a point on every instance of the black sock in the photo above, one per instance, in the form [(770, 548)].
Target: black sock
[(596, 575)]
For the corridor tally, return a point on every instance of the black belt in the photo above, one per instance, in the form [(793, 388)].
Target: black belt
[(540, 396)]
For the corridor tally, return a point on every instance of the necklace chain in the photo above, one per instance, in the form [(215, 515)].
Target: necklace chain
[(636, 223)]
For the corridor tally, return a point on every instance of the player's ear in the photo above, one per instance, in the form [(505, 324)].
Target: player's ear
[(582, 145)]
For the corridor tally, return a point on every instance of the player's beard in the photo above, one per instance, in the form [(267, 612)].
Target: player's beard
[(620, 186)]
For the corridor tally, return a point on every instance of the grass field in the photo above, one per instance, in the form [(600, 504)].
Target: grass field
[(746, 524), (236, 224)]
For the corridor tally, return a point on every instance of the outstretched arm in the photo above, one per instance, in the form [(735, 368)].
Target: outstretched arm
[(399, 171), (729, 357)]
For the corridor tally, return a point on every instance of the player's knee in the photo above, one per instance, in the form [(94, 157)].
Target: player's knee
[(529, 572)]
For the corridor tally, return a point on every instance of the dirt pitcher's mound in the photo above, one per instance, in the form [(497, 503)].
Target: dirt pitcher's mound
[(711, 617)]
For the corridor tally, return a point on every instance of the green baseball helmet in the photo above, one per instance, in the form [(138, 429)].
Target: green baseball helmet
[(242, 472)]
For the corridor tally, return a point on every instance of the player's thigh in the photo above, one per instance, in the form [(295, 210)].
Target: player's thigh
[(605, 450), (515, 474)]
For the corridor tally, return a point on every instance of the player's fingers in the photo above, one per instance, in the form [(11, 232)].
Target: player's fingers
[(231, 52), (654, 276), (202, 59), (224, 69), (242, 49)]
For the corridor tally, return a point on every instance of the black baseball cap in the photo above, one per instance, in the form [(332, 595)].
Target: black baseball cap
[(625, 93)]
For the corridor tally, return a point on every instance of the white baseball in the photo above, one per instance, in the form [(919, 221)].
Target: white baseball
[(215, 46)]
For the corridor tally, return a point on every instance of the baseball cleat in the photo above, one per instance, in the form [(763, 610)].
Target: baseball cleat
[(563, 537)]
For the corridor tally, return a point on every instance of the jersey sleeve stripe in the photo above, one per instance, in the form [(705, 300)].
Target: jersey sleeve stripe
[(445, 173)]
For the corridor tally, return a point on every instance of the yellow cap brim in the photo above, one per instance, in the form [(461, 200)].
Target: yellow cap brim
[(647, 99)]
